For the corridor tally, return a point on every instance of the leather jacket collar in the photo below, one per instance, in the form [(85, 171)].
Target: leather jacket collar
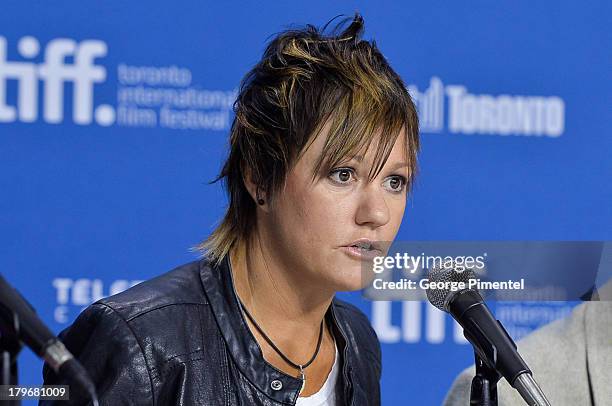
[(219, 287)]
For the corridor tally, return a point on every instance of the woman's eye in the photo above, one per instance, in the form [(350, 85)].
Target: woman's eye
[(341, 175), (396, 183)]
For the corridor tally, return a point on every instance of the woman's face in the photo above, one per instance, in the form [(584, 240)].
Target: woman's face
[(312, 224)]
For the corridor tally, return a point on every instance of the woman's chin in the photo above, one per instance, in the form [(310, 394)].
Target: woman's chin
[(350, 280)]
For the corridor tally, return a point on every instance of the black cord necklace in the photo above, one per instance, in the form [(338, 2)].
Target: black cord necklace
[(287, 360)]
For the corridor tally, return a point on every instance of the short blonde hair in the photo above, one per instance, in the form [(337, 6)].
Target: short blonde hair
[(304, 80)]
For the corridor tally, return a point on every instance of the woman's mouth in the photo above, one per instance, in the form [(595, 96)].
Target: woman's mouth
[(361, 252)]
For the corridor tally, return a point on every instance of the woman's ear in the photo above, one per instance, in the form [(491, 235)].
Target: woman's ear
[(251, 187), (257, 193)]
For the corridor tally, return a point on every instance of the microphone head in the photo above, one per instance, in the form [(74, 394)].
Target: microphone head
[(446, 281)]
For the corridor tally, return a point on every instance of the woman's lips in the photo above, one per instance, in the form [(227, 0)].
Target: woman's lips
[(361, 254)]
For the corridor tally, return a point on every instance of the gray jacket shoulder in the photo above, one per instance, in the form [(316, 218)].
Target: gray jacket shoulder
[(559, 358)]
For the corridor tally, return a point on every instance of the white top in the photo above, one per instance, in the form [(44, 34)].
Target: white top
[(326, 396)]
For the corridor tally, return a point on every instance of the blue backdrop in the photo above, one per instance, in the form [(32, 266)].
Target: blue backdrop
[(114, 115)]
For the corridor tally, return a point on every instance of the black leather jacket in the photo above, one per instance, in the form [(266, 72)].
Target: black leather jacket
[(180, 339)]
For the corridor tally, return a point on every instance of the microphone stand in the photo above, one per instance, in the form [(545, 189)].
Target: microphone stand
[(10, 346), (484, 384)]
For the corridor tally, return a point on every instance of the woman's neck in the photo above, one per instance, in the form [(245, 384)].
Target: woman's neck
[(287, 307)]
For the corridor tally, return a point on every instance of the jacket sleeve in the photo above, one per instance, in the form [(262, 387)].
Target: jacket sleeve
[(106, 346)]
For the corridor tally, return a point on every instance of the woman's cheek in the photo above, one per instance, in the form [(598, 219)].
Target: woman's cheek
[(397, 215)]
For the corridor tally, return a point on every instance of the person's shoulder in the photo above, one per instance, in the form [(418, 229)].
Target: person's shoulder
[(552, 352), (180, 286), (168, 312), (564, 335), (134, 333), (169, 308)]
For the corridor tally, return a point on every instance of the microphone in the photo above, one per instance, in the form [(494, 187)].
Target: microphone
[(488, 336), (20, 319)]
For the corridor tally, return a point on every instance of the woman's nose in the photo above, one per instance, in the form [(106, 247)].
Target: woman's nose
[(372, 209)]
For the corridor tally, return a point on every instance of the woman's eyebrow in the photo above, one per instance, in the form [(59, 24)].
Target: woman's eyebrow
[(393, 167), (398, 165)]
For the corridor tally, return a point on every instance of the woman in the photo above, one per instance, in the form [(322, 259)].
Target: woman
[(322, 152)]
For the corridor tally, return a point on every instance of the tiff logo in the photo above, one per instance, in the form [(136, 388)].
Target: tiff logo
[(54, 73)]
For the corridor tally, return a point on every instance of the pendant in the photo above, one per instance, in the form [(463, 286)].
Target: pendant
[(302, 375)]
